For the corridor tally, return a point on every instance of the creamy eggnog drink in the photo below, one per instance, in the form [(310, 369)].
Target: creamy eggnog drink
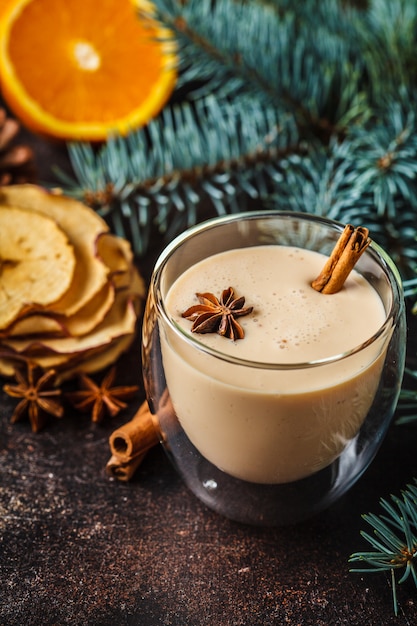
[(273, 350), (273, 421)]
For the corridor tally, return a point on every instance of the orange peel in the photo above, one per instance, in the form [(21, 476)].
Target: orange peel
[(80, 71)]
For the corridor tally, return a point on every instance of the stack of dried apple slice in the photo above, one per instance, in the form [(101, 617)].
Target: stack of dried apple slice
[(70, 294)]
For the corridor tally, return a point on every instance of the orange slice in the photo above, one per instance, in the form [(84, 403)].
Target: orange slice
[(82, 69)]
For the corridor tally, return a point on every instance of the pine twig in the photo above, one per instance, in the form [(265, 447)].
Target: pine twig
[(410, 291), (408, 401), (160, 176), (394, 540)]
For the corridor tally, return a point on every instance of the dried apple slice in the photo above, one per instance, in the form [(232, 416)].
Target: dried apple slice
[(82, 226), (92, 313), (68, 365), (81, 323), (67, 368), (32, 324), (37, 262), (7, 367), (98, 360), (120, 320), (137, 290), (115, 252), (87, 326)]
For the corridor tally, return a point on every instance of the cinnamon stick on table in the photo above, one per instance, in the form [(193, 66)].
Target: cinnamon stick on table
[(129, 444), (123, 470), (349, 247), (136, 436)]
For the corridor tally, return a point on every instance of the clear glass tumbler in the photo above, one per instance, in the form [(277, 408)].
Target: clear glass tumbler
[(336, 444)]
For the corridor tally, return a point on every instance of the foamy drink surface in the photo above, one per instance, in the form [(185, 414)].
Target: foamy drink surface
[(279, 425)]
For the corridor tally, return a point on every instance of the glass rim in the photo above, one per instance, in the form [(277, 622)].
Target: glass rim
[(377, 253)]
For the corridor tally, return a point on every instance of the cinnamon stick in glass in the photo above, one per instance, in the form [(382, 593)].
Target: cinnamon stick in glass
[(349, 247)]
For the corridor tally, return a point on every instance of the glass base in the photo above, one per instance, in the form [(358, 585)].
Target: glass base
[(253, 503)]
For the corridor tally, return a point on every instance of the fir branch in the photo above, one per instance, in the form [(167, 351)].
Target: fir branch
[(321, 182), (232, 47), (410, 289), (338, 181), (386, 153), (407, 401), (397, 234), (160, 174), (394, 540), (389, 35)]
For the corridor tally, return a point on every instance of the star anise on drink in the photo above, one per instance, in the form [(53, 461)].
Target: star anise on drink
[(101, 399), (39, 396), (218, 315)]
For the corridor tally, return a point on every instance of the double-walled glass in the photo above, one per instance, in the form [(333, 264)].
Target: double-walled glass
[(294, 442)]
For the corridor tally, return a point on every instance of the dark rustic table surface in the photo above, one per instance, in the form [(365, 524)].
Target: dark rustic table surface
[(79, 548)]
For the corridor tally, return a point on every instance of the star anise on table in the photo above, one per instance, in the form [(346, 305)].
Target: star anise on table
[(101, 399), (39, 396), (218, 315)]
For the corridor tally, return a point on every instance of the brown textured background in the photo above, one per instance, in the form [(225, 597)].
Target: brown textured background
[(78, 548)]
